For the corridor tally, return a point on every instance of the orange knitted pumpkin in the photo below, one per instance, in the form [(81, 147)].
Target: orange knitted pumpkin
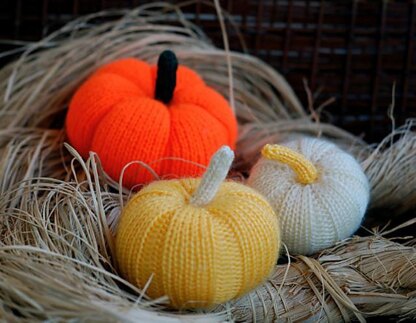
[(128, 110)]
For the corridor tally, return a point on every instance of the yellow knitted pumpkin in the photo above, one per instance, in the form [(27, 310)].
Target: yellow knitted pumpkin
[(201, 242)]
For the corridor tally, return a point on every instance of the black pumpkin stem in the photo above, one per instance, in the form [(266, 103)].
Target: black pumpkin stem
[(166, 76)]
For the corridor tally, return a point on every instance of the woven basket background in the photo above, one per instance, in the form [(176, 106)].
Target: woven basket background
[(352, 51)]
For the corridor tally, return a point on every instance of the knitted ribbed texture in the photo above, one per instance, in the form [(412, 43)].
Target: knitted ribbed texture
[(306, 172), (198, 256), (114, 113), (213, 177), (313, 216)]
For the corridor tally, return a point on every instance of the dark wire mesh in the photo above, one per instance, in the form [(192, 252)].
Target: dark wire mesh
[(352, 51)]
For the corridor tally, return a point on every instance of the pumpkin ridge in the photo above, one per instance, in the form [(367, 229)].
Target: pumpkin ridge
[(198, 147), (75, 109), (258, 225), (209, 245), (141, 92), (140, 252), (159, 221), (221, 122), (222, 218), (168, 256), (327, 217), (201, 89), (187, 77), (164, 164), (104, 115), (110, 131), (343, 192), (248, 195), (139, 67)]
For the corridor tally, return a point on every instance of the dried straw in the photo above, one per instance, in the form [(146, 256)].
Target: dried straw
[(360, 277), (58, 213)]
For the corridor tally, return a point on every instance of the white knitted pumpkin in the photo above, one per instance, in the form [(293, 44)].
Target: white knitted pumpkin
[(319, 191)]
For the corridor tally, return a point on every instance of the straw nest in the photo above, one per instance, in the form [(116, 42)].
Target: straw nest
[(59, 212)]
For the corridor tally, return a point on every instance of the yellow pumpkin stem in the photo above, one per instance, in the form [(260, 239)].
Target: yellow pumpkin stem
[(216, 173), (306, 172)]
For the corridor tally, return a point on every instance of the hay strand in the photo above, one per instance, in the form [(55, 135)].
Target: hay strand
[(360, 277)]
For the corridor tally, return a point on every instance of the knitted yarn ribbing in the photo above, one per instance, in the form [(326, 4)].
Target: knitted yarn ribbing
[(114, 113), (213, 177), (314, 216), (197, 251), (306, 171)]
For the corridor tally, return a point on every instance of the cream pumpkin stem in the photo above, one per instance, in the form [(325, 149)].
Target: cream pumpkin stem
[(216, 173), (306, 171), (167, 66)]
